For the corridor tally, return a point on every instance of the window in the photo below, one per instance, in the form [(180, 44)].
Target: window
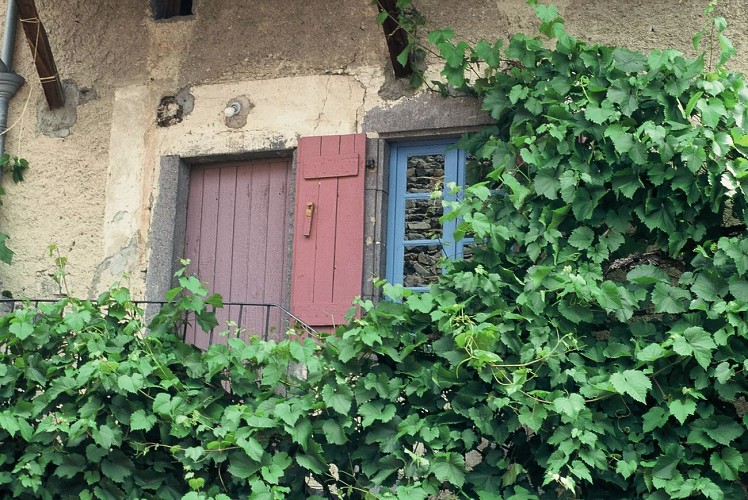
[(165, 9), (417, 238)]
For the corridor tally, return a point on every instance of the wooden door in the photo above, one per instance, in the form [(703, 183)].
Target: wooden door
[(237, 241)]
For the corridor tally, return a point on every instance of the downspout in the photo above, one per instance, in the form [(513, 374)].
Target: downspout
[(9, 81)]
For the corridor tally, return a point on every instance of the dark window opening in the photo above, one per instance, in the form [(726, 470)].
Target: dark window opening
[(165, 9)]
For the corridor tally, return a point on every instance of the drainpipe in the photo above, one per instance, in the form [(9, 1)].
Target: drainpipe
[(9, 81)]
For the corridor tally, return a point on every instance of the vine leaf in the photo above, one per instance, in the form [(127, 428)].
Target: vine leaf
[(622, 140), (131, 383), (669, 299), (194, 452), (647, 274), (601, 114), (140, 421), (726, 463), (449, 467), (695, 342), (632, 382), (71, 465), (629, 61), (240, 465), (626, 468), (569, 405), (681, 410), (6, 254), (339, 400), (666, 465), (334, 433), (581, 237), (373, 411), (652, 352), (117, 466), (724, 430), (104, 436)]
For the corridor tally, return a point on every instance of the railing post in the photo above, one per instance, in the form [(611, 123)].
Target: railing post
[(210, 335), (239, 321), (267, 322)]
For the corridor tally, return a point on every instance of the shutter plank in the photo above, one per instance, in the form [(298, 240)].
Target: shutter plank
[(206, 266), (224, 239), (349, 242), (194, 223), (304, 255), (194, 218), (241, 260), (277, 244), (326, 222)]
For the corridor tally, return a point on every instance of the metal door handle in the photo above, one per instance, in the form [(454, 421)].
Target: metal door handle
[(308, 216)]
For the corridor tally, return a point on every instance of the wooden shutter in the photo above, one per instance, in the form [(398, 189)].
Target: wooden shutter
[(328, 235)]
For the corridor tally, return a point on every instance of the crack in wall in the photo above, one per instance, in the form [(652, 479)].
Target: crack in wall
[(361, 110), (117, 264), (324, 104), (348, 64)]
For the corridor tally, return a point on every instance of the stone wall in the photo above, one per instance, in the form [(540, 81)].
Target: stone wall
[(424, 175)]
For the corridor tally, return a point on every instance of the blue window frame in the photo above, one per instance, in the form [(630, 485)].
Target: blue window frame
[(416, 237)]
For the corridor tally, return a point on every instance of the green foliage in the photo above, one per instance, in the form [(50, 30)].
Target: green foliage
[(408, 19), (600, 325), (92, 407), (16, 167), (595, 345)]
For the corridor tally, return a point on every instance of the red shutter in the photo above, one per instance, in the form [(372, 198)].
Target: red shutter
[(328, 228)]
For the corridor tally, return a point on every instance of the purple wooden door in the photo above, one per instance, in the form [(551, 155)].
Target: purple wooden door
[(237, 240)]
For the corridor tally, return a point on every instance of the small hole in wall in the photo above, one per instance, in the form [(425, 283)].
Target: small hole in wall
[(169, 112), (165, 9)]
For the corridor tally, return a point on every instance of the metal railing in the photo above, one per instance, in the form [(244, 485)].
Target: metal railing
[(235, 319)]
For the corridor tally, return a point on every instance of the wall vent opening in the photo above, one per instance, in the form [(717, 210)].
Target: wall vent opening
[(166, 9)]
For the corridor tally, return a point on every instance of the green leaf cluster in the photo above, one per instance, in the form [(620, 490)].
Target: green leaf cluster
[(95, 405), (16, 167), (594, 345), (600, 324)]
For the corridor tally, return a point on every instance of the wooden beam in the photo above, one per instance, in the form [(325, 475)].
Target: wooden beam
[(395, 36), (42, 53)]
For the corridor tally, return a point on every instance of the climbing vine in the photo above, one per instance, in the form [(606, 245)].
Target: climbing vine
[(595, 346), (15, 167), (604, 305)]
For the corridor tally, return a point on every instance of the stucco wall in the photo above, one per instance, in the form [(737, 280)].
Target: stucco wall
[(308, 68)]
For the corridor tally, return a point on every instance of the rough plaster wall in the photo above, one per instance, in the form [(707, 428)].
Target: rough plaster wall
[(281, 38), (647, 25), (284, 109), (97, 43), (638, 24), (471, 19), (60, 201), (307, 67)]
